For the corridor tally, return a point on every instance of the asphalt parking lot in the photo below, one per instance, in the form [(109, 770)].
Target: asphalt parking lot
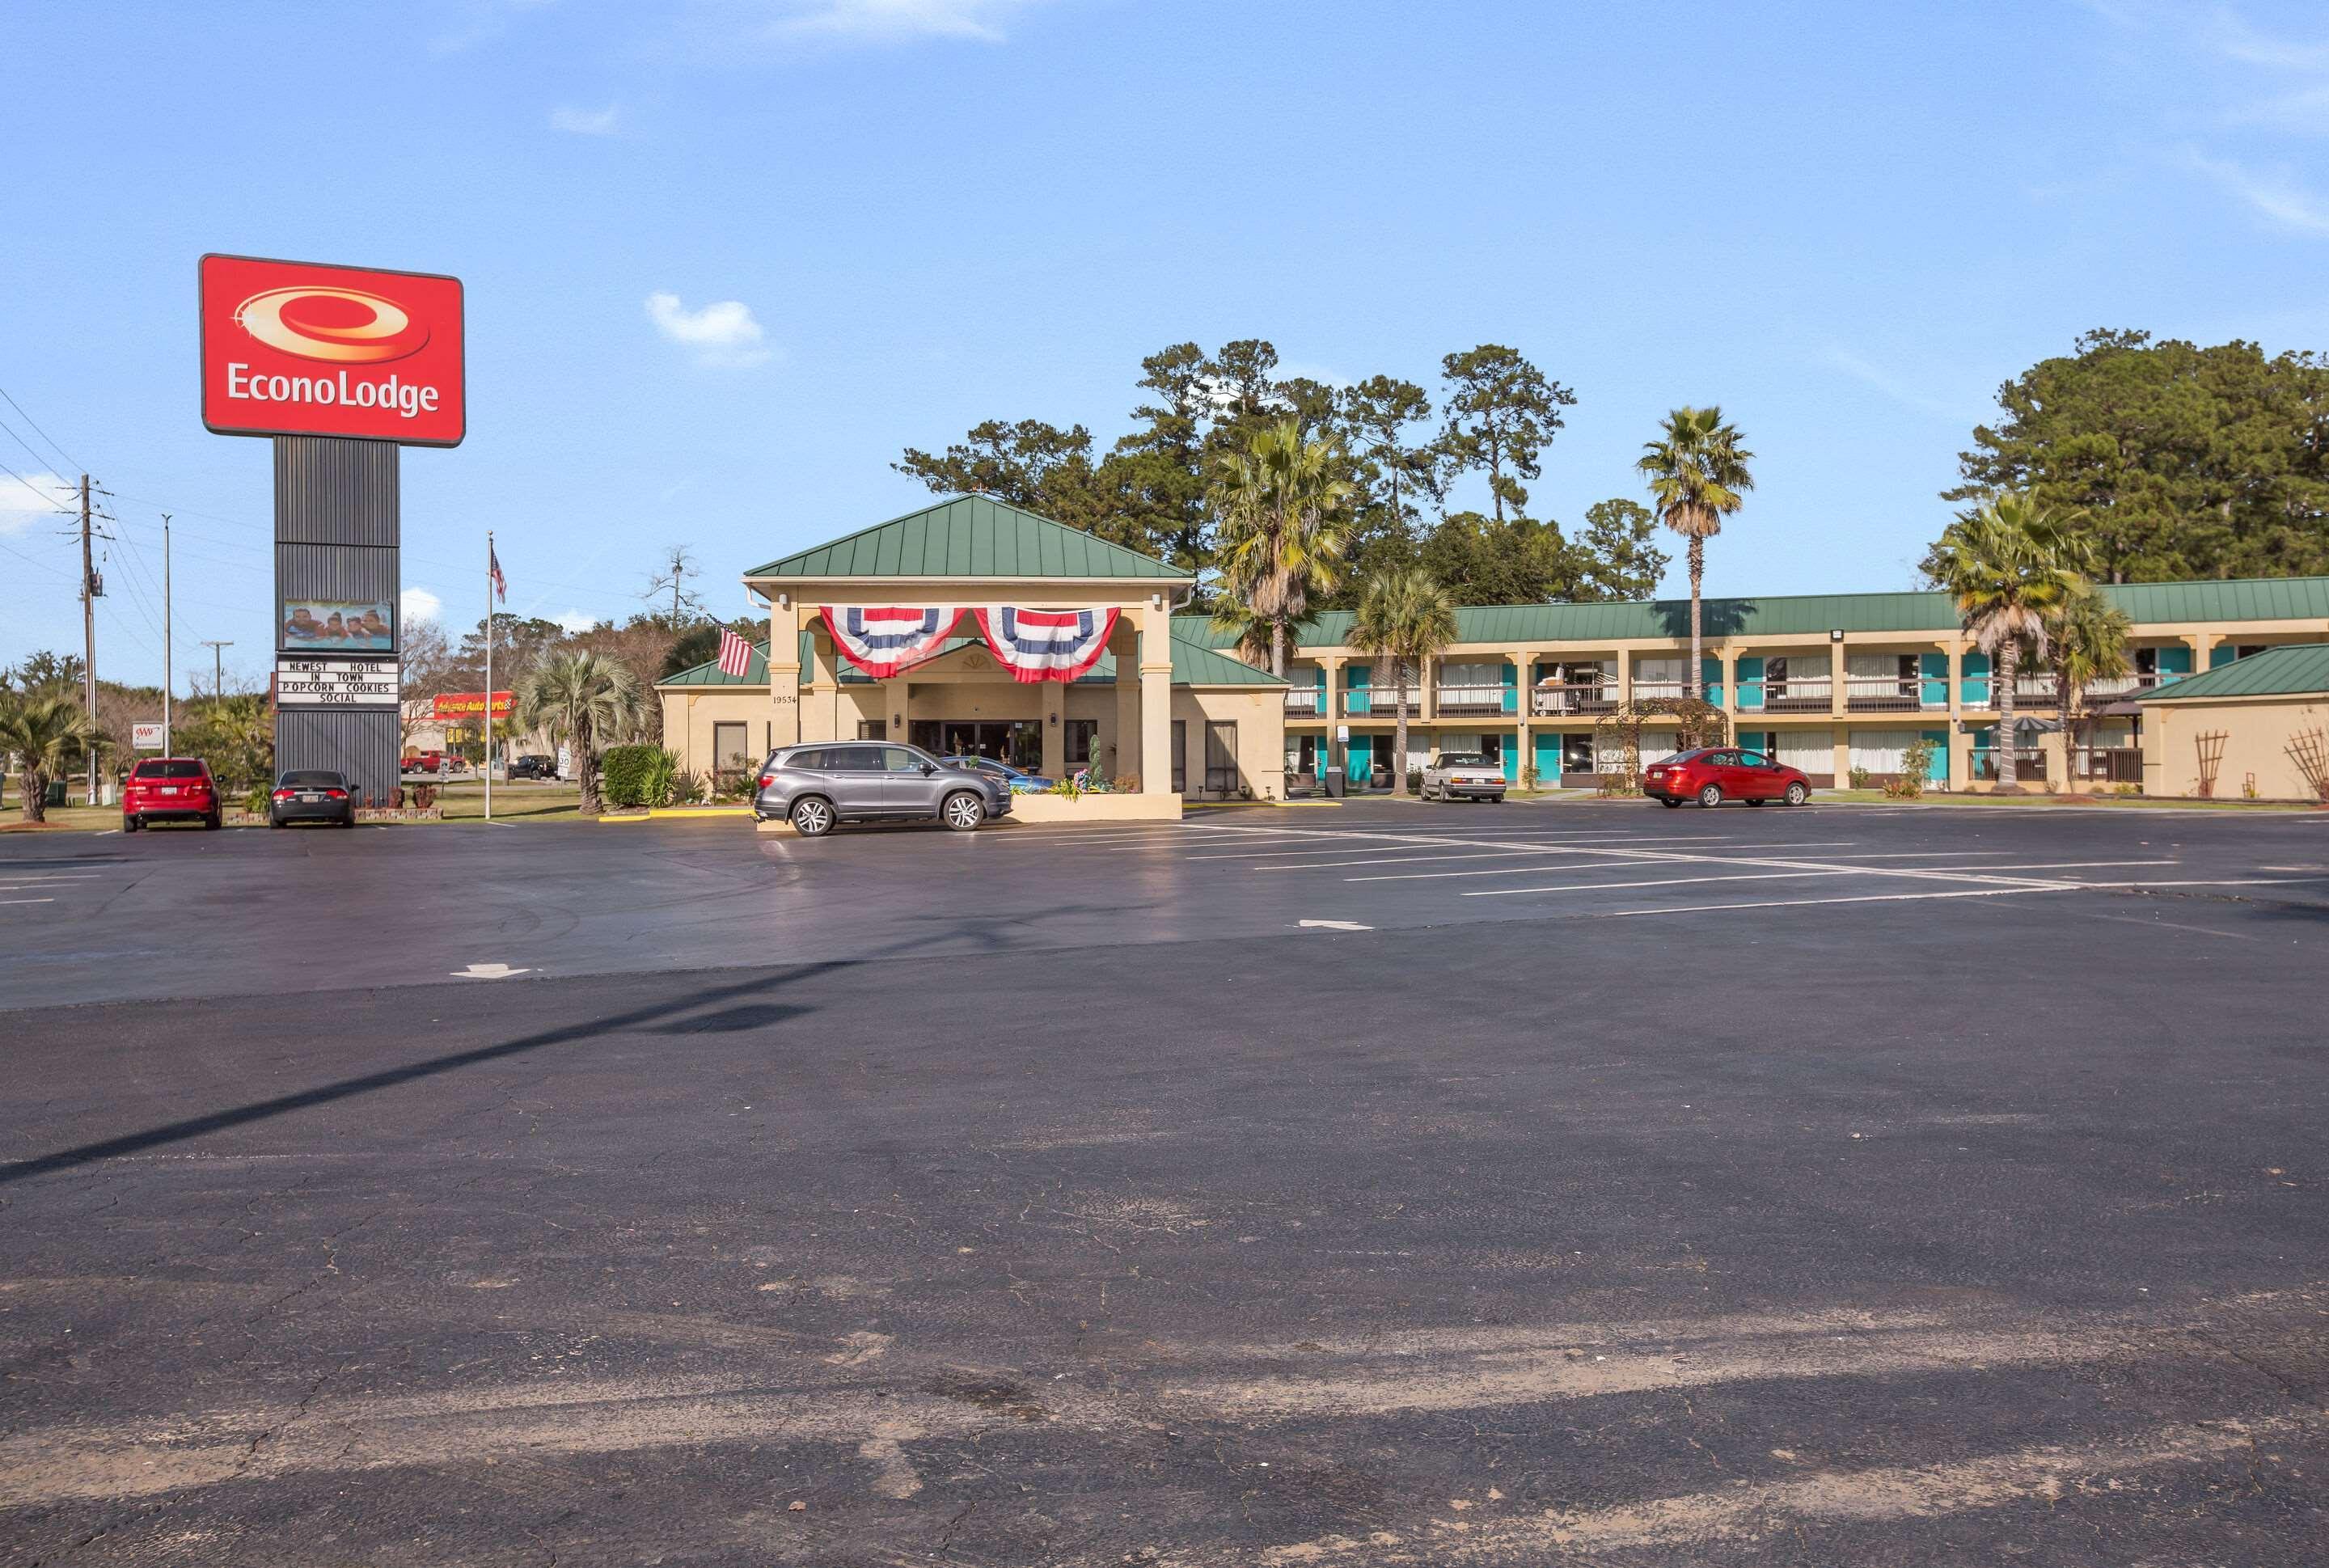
[(1365, 1185)]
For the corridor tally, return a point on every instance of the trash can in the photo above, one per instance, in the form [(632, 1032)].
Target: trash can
[(56, 794), (1334, 783)]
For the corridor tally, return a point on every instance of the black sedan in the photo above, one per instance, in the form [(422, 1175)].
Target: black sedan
[(312, 794)]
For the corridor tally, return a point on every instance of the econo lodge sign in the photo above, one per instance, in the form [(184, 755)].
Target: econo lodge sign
[(293, 348)]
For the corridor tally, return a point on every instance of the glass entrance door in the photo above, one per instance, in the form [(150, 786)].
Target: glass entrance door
[(1017, 741)]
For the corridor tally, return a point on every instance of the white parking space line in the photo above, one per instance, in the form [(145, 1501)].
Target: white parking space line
[(1413, 859), (1783, 875), (1983, 874), (2206, 881), (11, 900), (2169, 926), (1610, 860), (1920, 854), (1806, 902), (1501, 841)]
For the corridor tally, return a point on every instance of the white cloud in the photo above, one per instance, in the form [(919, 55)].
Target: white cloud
[(1899, 390), (895, 21), (417, 604), (2277, 193), (575, 621), (721, 334), (2236, 40), (21, 504), (586, 122)]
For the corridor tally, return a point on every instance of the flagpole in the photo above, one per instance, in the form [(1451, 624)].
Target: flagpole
[(489, 674)]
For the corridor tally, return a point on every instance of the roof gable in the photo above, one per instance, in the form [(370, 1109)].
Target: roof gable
[(972, 536), (2292, 671)]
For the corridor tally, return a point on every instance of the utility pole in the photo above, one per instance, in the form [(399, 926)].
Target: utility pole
[(493, 569), (166, 679), (89, 592), (218, 670)]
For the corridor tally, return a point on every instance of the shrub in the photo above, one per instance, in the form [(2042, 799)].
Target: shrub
[(1528, 777), (662, 780), (623, 773), (1916, 762), (1860, 777)]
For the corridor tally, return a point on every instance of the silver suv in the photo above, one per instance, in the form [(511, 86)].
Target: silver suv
[(815, 785)]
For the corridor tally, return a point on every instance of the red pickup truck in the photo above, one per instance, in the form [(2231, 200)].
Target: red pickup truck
[(424, 762)]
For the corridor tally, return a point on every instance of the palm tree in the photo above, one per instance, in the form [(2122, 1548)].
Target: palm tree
[(2009, 564), (1277, 501), (583, 700), (1251, 632), (2088, 633), (1404, 618), (45, 734), (1697, 471)]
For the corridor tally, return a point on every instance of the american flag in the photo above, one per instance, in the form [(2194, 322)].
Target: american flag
[(494, 573), (735, 654)]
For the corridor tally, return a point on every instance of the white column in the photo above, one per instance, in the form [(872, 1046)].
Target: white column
[(1125, 735), (1156, 702), (784, 674), (1055, 730)]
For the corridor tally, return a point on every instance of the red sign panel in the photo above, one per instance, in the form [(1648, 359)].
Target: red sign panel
[(469, 705), (296, 349)]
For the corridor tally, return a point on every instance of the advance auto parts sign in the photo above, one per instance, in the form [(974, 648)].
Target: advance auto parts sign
[(291, 348), (335, 683)]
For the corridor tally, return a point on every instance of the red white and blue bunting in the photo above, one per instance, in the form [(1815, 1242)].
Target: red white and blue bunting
[(1046, 645), (883, 640), (1033, 645)]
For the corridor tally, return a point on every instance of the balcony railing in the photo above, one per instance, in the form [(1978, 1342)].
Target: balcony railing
[(1890, 694), (1302, 702), (1574, 698), (2039, 691), (1462, 702), (1799, 696), (1370, 703), (1645, 691)]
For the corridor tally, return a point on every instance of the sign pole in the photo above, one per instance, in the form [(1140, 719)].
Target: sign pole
[(167, 680), (489, 674)]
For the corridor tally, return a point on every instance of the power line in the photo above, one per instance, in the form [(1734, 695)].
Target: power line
[(54, 504), (23, 443), (28, 561), (70, 461)]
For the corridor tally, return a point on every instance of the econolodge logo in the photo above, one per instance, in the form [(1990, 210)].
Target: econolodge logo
[(295, 348), (345, 325)]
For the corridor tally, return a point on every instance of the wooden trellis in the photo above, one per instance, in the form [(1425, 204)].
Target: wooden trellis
[(1698, 722), (2309, 750), (2211, 743)]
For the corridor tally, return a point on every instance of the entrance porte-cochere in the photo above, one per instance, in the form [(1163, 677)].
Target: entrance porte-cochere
[(974, 627)]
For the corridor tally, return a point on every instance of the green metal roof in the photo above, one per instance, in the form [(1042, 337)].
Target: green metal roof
[(1796, 615), (1193, 665), (970, 536), (2299, 669)]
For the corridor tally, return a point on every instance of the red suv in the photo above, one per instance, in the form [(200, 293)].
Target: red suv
[(1718, 773), (169, 789)]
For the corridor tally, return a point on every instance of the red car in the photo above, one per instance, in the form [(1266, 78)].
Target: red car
[(1715, 774), (169, 789)]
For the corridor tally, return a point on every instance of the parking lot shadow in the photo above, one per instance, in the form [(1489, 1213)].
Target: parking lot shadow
[(661, 1019)]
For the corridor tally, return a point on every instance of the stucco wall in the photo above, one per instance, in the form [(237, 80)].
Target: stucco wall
[(1259, 714), (688, 718), (2256, 736)]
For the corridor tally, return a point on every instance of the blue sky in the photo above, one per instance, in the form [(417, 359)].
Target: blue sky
[(1845, 224)]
